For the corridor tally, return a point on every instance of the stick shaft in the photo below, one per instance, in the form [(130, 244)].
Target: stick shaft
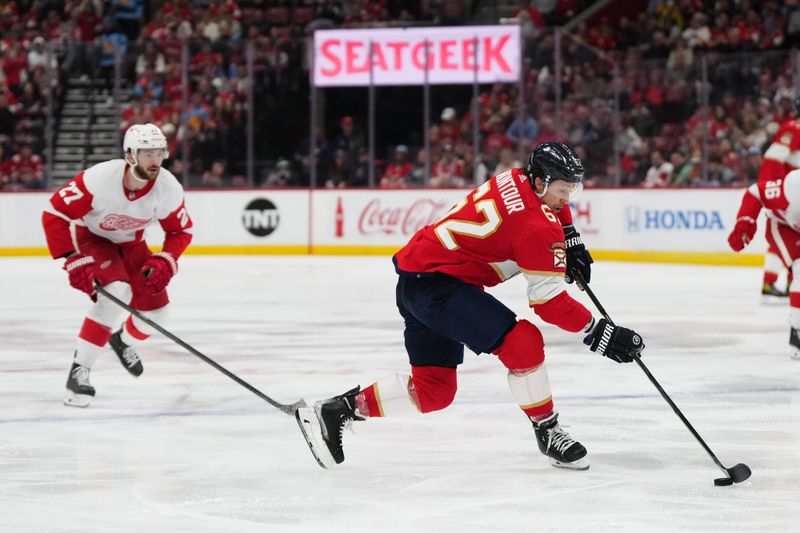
[(288, 409), (652, 378)]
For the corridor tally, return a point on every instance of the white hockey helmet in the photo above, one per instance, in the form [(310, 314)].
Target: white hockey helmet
[(143, 136)]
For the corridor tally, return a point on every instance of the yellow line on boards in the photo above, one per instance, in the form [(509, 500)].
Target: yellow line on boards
[(699, 258), (647, 256), (22, 252)]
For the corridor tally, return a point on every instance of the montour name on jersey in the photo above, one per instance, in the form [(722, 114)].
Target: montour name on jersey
[(509, 192)]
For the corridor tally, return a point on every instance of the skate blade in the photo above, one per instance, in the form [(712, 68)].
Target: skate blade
[(77, 400), (580, 464), (312, 432), (795, 354), (769, 299)]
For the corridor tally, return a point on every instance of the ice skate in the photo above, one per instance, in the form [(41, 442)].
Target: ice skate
[(323, 424), (794, 344), (772, 295), (127, 354), (80, 390), (554, 442)]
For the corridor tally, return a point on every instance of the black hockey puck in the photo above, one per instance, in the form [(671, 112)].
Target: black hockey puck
[(723, 482)]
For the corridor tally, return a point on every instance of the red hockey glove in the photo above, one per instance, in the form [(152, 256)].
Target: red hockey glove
[(81, 272), (742, 233), (158, 270)]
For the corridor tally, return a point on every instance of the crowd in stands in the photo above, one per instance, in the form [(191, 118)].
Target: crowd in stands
[(27, 75), (668, 128), (671, 129), (216, 35)]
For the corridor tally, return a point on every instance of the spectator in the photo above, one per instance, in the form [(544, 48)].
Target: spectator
[(659, 173), (128, 14), (496, 140), (112, 42), (38, 56), (25, 170), (398, 171), (281, 175), (658, 48), (215, 176), (449, 127), (7, 120), (448, 171), (680, 61), (697, 35), (14, 66), (506, 162), (353, 147), (30, 102), (525, 129), (151, 58), (339, 173), (683, 170), (752, 164), (302, 158), (5, 175)]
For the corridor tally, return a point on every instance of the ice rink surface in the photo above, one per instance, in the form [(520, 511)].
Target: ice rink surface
[(185, 449)]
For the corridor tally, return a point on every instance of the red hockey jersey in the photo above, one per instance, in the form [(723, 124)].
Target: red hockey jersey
[(783, 155), (497, 231)]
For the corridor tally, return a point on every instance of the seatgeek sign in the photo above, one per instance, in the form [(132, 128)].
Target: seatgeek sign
[(414, 56)]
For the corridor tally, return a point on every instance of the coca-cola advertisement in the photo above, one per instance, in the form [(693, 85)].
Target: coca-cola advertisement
[(380, 216), (377, 217)]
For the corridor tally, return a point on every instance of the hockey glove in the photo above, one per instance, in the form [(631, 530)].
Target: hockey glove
[(158, 270), (742, 233), (81, 270), (615, 342), (578, 257)]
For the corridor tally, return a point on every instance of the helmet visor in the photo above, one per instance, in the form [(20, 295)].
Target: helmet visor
[(576, 190)]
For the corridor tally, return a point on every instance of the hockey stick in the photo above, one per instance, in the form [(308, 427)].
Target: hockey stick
[(289, 409), (736, 474)]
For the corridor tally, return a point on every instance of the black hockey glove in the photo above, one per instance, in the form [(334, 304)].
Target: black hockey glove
[(615, 342), (578, 257)]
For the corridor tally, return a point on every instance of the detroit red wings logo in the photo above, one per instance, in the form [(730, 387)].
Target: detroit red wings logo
[(123, 223)]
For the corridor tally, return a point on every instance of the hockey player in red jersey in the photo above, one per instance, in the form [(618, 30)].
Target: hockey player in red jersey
[(510, 224), (781, 198), (782, 156), (108, 206)]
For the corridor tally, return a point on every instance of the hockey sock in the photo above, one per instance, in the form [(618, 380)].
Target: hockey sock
[(99, 323), (136, 330), (389, 396), (429, 388), (531, 390), (772, 265)]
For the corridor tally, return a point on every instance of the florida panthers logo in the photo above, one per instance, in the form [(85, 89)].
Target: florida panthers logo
[(559, 250), (123, 223)]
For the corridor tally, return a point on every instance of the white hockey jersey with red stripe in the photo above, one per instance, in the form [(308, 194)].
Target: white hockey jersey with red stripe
[(780, 197), (97, 200)]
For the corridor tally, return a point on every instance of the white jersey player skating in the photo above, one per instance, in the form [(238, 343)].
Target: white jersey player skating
[(97, 221), (781, 198)]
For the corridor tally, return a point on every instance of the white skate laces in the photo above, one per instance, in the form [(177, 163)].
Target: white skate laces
[(559, 439), (130, 356), (81, 376)]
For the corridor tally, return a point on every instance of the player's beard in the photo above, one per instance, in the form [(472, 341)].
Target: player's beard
[(148, 175)]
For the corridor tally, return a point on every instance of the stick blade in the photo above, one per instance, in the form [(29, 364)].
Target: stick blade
[(739, 473), (736, 474)]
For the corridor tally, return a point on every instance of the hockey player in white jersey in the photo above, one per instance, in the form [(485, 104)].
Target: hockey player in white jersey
[(781, 198), (108, 207)]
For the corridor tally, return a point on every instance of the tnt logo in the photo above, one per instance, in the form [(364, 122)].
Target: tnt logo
[(261, 217)]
